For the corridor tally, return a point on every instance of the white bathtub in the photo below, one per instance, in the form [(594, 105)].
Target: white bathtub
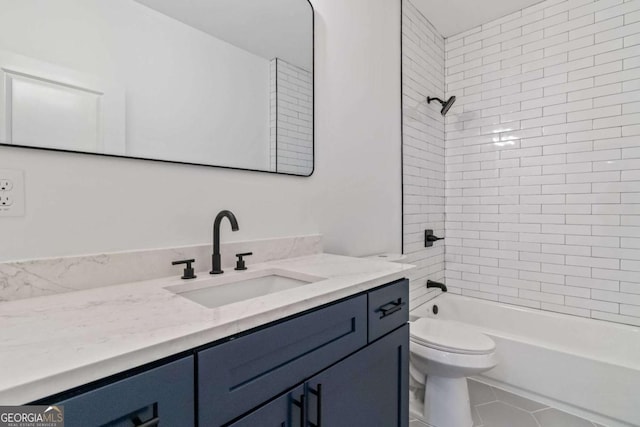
[(588, 367)]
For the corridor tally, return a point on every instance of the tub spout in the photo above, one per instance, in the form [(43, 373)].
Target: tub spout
[(432, 284)]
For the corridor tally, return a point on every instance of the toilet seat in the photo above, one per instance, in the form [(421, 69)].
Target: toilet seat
[(450, 337)]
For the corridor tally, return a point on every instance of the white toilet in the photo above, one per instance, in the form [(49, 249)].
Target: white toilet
[(445, 353)]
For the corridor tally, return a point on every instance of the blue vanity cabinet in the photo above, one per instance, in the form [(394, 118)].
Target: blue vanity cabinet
[(358, 348), (368, 389), (162, 396), (239, 375)]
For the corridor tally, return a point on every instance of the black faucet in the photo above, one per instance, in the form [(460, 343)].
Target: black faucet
[(215, 258), (432, 284)]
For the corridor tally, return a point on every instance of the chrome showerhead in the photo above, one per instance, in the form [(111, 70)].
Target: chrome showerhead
[(446, 105)]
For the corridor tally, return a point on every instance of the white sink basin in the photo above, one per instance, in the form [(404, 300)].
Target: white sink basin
[(217, 291)]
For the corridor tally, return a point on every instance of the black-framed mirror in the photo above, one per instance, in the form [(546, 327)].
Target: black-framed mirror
[(225, 83)]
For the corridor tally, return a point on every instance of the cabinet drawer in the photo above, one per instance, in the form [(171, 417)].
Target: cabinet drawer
[(239, 375), (388, 308), (162, 396)]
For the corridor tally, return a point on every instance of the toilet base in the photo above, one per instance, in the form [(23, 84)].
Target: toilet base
[(446, 402)]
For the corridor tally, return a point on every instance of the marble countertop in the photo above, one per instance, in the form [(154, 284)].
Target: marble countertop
[(54, 343)]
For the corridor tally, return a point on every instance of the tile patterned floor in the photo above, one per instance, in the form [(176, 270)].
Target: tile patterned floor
[(492, 407)]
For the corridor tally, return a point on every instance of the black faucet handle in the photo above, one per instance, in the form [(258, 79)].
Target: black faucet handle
[(240, 265), (189, 272), (429, 238)]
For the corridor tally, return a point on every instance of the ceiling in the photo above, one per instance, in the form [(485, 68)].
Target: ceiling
[(274, 28), (451, 17)]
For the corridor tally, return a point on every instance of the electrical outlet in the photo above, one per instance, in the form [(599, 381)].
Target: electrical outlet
[(11, 193)]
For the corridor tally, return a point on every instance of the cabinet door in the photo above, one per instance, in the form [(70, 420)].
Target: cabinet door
[(162, 396), (368, 389), (285, 411)]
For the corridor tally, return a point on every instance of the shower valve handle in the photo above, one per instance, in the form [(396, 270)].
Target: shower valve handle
[(429, 238)]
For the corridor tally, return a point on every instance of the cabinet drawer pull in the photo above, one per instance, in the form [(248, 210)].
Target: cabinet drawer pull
[(301, 405), (153, 422), (318, 394), (391, 308)]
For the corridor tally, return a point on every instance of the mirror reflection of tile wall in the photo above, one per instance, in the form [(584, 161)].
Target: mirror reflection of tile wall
[(291, 118)]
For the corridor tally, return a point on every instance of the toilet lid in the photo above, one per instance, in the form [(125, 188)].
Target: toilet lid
[(450, 336)]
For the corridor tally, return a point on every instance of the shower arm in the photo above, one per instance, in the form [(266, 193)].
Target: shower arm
[(429, 99)]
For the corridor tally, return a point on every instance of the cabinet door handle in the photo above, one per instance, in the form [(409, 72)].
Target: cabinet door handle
[(153, 422), (318, 394), (391, 308), (301, 405)]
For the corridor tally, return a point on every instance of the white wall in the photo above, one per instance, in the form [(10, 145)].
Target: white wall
[(543, 159), (80, 204), (423, 62), (189, 96), (270, 29)]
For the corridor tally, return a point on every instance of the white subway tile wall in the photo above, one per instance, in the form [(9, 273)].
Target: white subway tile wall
[(423, 149), (272, 114), (291, 120), (542, 158)]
